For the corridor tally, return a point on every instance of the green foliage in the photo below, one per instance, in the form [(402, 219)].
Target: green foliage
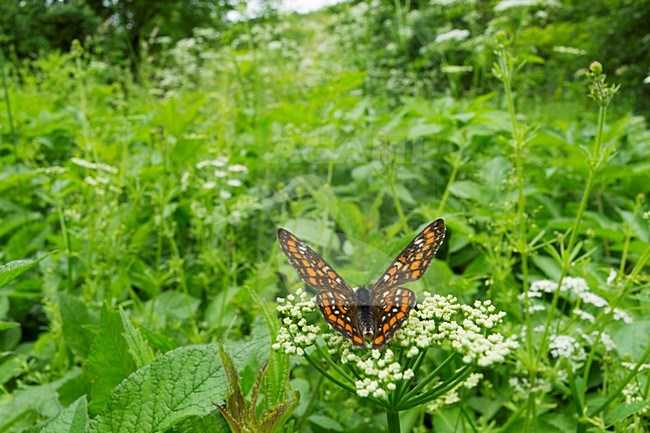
[(162, 193)]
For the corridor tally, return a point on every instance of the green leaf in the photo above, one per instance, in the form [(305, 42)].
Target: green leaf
[(76, 318), (325, 422), (13, 269), (109, 360), (40, 399), (179, 384), (8, 325), (468, 189), (138, 347), (73, 419)]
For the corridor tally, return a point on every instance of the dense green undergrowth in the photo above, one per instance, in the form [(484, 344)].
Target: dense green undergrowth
[(151, 208)]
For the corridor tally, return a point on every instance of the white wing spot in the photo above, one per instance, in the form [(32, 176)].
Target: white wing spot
[(394, 310)]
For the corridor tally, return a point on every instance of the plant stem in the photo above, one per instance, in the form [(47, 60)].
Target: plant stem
[(392, 416), (10, 117)]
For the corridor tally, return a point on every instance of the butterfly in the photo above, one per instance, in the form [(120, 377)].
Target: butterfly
[(374, 313)]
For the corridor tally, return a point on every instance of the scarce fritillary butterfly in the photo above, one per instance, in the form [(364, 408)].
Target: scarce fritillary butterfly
[(376, 313)]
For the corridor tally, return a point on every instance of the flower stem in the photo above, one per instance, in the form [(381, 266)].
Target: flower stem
[(392, 416)]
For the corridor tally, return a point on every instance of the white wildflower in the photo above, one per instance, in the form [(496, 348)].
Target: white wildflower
[(456, 35)]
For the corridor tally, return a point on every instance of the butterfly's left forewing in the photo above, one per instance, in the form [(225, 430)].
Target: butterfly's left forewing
[(313, 269), (336, 300)]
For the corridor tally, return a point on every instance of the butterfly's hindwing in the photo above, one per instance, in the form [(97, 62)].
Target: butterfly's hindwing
[(311, 267), (341, 314), (390, 313), (413, 261)]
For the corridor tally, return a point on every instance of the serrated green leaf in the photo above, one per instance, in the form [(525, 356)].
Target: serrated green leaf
[(76, 317), (73, 419), (138, 347), (179, 384), (13, 269), (8, 325), (109, 360)]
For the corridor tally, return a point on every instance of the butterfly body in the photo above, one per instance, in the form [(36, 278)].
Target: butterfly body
[(374, 313)]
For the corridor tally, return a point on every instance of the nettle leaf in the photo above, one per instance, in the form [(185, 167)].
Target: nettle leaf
[(179, 384), (76, 320), (109, 361), (13, 269), (73, 419), (138, 348)]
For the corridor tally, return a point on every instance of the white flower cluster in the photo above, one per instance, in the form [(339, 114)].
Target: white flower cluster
[(575, 288), (436, 321), (225, 176), (512, 4), (296, 334), (455, 35), (379, 370), (634, 394), (433, 322), (566, 346), (523, 389)]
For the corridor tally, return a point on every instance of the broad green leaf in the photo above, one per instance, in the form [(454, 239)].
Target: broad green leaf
[(179, 384), (109, 360), (76, 318), (13, 269), (73, 419)]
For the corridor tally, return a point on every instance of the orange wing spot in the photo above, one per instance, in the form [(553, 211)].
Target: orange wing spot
[(326, 303), (418, 256), (331, 274), (312, 281), (385, 327), (416, 274), (328, 310), (348, 327), (306, 264), (388, 307), (404, 306), (331, 318), (340, 322), (291, 243), (402, 259), (399, 315), (415, 265), (311, 272), (392, 321), (321, 264), (293, 250), (379, 339), (357, 339), (392, 270)]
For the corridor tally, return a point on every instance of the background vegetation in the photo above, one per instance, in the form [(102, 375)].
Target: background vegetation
[(158, 146)]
